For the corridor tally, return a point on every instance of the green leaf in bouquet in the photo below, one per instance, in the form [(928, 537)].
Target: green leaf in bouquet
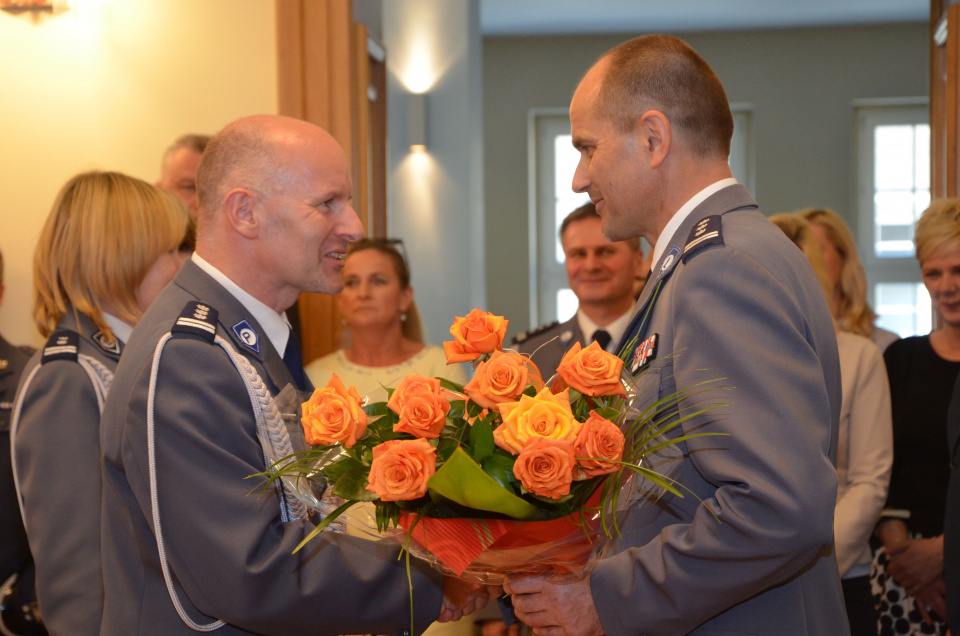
[(530, 391), (445, 448), (452, 386), (500, 467), (376, 409), (352, 486), (457, 408), (607, 412), (387, 513), (337, 469), (464, 482), (481, 440), (473, 409)]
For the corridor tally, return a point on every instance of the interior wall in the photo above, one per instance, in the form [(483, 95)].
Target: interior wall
[(109, 86), (435, 198), (801, 83)]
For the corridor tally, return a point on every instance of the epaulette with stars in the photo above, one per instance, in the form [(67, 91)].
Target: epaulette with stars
[(197, 319), (707, 231), (521, 337)]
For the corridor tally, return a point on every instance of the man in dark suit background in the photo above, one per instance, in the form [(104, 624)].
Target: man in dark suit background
[(751, 549), (14, 551), (186, 546), (602, 275)]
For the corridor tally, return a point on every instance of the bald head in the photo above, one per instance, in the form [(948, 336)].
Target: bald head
[(275, 208), (258, 152)]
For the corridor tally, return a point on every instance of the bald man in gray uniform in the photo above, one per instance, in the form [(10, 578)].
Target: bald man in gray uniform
[(186, 546)]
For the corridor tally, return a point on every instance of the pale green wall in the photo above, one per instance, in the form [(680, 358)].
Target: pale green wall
[(801, 83)]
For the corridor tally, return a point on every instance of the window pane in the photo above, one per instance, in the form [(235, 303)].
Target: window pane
[(566, 304), (903, 308), (922, 155), (901, 186), (894, 148), (566, 200)]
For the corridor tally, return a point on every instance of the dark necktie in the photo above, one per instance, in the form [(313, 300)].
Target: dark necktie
[(294, 360), (602, 337)]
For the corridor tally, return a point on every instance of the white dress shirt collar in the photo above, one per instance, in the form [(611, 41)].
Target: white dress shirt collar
[(680, 216), (275, 325), (616, 328), (120, 329)]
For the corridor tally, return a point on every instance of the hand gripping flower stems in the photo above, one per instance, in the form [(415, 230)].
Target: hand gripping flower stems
[(507, 474)]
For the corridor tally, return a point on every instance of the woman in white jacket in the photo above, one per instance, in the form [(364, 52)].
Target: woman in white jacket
[(864, 451)]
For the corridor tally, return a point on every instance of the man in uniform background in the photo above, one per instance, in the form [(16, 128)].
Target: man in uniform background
[(178, 169), (602, 275)]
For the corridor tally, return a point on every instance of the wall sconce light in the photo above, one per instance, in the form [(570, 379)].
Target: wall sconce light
[(20, 6), (417, 122)]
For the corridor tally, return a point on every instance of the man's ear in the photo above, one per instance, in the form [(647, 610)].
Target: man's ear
[(656, 136), (240, 208)]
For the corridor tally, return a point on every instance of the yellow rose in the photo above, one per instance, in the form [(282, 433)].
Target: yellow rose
[(546, 415), (599, 439), (545, 467), (592, 371), (500, 379), (422, 406), (401, 468), (475, 334), (333, 415)]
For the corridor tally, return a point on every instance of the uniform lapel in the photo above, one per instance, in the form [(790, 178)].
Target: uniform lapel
[(730, 198), (236, 324)]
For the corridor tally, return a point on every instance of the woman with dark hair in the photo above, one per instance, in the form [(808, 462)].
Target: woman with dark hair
[(385, 338)]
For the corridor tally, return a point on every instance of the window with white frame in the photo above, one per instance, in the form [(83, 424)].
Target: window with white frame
[(893, 150), (553, 162)]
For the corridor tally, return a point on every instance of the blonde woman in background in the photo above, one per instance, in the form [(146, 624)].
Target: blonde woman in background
[(106, 250), (848, 303), (865, 446), (385, 335), (909, 581)]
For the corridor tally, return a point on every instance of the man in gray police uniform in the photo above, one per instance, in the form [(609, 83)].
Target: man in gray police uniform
[(750, 550), (275, 220), (602, 276)]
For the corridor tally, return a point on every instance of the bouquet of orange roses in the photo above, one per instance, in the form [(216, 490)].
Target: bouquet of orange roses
[(507, 474)]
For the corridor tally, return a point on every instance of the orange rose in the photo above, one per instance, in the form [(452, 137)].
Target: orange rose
[(500, 379), (546, 415), (479, 332), (401, 469), (545, 467), (592, 371), (600, 439), (334, 415), (422, 406)]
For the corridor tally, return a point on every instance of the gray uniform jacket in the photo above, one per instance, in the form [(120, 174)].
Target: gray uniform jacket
[(230, 554), (744, 306), (547, 345), (57, 459)]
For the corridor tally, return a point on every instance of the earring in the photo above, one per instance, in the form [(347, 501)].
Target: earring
[(403, 317)]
